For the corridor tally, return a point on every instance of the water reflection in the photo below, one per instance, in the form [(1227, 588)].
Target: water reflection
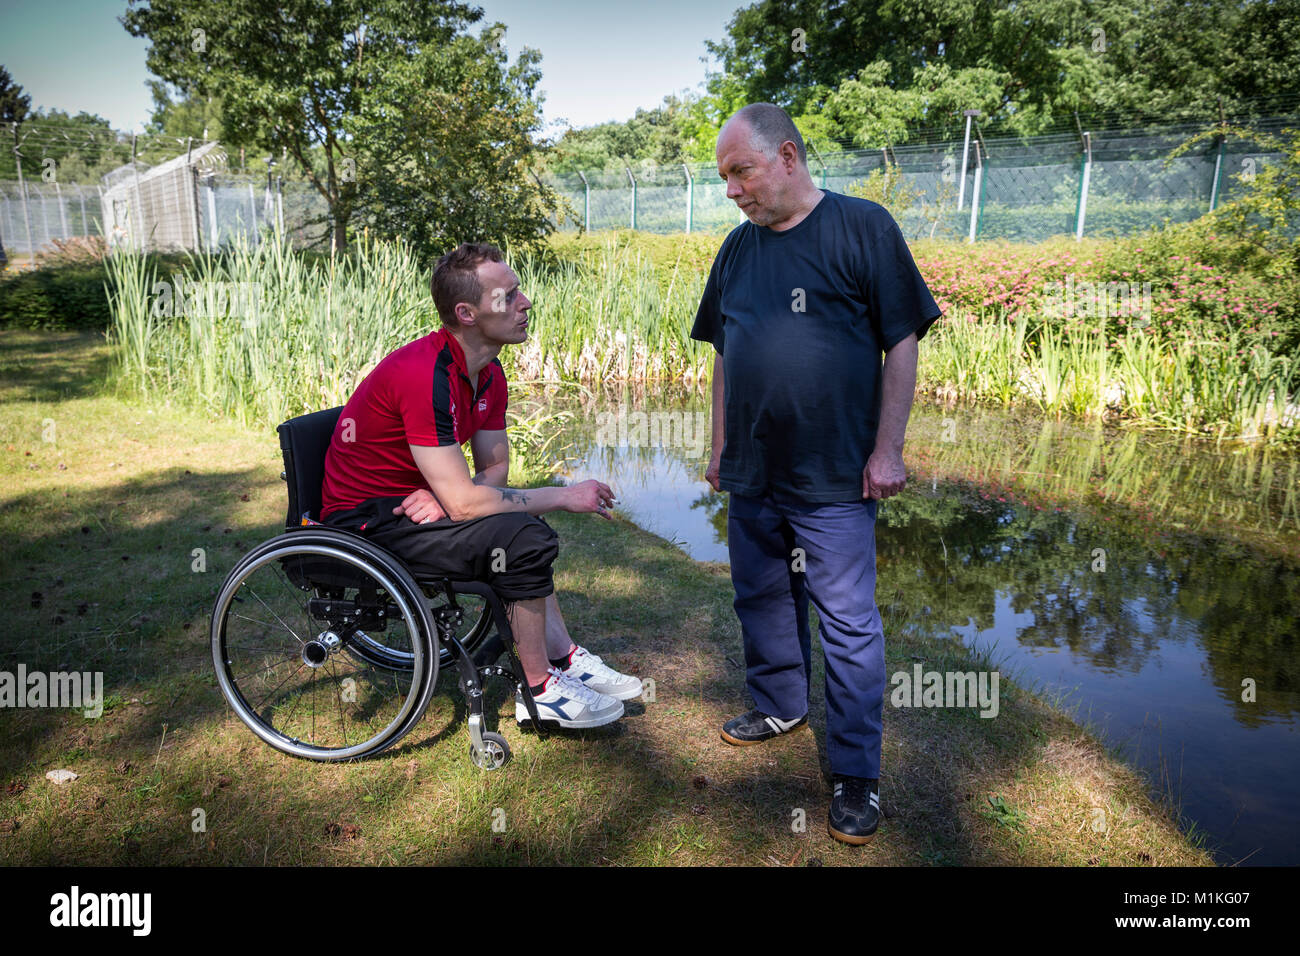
[(1155, 580), (655, 489)]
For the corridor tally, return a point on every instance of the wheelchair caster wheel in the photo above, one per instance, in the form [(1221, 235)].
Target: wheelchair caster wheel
[(494, 754)]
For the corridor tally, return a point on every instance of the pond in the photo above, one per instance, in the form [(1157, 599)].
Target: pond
[(1151, 580)]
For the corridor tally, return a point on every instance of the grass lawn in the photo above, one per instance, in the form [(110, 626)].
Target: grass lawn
[(105, 502)]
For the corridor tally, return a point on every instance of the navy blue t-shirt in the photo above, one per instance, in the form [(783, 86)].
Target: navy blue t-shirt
[(802, 319)]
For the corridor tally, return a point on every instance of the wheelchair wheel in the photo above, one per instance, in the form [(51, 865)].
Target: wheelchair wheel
[(286, 629)]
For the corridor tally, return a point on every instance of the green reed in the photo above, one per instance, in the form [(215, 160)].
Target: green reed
[(1223, 388), (261, 333), (611, 316)]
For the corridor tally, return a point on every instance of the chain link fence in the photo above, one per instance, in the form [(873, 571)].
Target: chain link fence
[(1096, 184), (34, 213), (190, 202), (1101, 184), (237, 205)]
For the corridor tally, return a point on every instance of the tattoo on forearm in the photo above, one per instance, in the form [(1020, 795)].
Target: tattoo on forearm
[(512, 495)]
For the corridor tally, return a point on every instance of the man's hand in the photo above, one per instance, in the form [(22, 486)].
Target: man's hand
[(590, 496), (884, 475), (712, 473), (421, 507)]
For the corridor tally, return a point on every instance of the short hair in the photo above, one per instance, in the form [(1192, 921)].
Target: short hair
[(455, 278), (769, 127)]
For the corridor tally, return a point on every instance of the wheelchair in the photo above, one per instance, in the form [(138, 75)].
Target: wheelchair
[(327, 646)]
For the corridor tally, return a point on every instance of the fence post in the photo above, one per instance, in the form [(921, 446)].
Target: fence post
[(820, 161), (633, 178), (45, 219), (976, 191), (212, 209), (1218, 171), (182, 240), (586, 202), (1081, 211), (81, 198), (965, 151), (268, 197), (279, 206), (137, 223), (193, 194), (63, 213), (194, 200), (22, 195), (690, 196), (252, 207)]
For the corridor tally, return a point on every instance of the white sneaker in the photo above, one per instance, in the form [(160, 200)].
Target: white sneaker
[(600, 677), (570, 703)]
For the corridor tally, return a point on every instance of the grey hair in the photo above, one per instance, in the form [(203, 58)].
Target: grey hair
[(769, 127)]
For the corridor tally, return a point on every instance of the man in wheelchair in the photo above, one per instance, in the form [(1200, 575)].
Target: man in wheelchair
[(395, 473)]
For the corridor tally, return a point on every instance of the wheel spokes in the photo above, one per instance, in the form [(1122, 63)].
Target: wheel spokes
[(328, 700)]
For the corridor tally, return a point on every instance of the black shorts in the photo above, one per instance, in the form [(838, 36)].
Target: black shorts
[(512, 552)]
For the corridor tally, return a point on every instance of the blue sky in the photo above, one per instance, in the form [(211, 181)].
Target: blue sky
[(601, 59)]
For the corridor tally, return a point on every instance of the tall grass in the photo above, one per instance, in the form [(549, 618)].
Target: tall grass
[(1224, 388), (261, 333), (265, 333), (611, 317)]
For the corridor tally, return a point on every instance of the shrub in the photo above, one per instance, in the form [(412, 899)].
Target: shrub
[(54, 298)]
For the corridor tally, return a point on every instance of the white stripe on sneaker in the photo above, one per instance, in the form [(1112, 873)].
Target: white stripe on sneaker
[(781, 726)]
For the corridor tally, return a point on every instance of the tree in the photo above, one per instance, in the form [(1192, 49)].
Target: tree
[(197, 118), (311, 78), (14, 103), (872, 113), (655, 136), (448, 154), (1154, 60)]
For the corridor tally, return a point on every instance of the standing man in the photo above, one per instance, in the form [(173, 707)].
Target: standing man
[(808, 428), (395, 473)]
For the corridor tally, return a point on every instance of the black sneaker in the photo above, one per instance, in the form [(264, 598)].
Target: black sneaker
[(756, 726), (855, 809)]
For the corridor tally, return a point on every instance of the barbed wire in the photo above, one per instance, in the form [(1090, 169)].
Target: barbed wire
[(1281, 106)]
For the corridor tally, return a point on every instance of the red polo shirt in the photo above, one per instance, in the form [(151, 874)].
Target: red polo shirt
[(419, 394)]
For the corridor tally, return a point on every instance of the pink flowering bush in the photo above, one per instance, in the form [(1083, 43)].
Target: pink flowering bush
[(1194, 292), (998, 277)]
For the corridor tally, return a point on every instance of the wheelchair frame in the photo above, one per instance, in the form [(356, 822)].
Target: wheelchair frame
[(346, 589)]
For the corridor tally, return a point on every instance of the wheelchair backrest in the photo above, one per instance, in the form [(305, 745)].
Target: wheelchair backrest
[(304, 441)]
